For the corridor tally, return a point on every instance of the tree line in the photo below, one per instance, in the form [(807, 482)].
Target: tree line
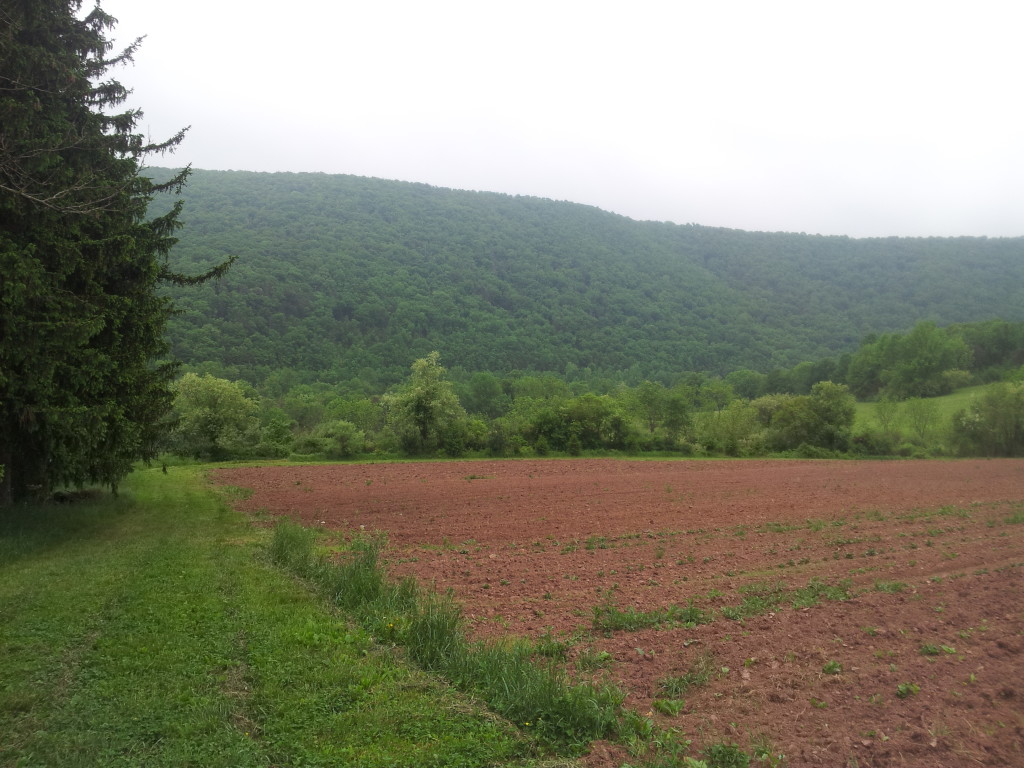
[(434, 414), (926, 361)]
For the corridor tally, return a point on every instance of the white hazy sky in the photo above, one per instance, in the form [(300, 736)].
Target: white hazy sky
[(865, 118)]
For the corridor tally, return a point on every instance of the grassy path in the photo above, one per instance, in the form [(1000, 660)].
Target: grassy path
[(149, 630)]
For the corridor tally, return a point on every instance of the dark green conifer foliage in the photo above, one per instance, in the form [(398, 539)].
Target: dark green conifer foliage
[(81, 320)]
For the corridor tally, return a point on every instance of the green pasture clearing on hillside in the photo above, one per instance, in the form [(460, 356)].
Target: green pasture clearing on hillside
[(148, 630), (946, 406)]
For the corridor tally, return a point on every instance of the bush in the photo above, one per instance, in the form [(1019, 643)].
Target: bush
[(873, 442), (955, 379), (502, 441), (341, 439), (308, 445), (805, 451), (265, 450), (911, 451), (993, 425), (821, 419)]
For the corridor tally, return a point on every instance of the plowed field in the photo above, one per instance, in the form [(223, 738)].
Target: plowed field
[(844, 613)]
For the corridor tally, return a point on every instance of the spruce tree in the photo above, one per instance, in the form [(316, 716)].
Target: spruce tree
[(81, 314)]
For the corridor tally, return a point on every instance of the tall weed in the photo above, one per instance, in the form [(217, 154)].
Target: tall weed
[(508, 675), (294, 548)]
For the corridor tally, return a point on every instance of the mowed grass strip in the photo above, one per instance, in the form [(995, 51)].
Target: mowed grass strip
[(150, 630)]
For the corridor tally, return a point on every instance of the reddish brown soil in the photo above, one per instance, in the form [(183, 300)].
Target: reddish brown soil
[(532, 547)]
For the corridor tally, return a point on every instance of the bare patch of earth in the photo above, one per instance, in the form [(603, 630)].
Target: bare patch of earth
[(858, 613)]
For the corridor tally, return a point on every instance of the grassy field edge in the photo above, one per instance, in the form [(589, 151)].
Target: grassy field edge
[(151, 629)]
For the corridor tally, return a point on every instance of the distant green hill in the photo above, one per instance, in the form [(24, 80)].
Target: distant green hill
[(353, 278)]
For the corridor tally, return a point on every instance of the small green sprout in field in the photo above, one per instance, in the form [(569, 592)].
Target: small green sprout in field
[(871, 631), (589, 659), (818, 703), (832, 668), (890, 587), (930, 650), (636, 731), (700, 673), (669, 707), (766, 753), (905, 690), (726, 755)]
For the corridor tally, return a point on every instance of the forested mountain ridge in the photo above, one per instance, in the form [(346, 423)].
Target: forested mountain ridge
[(354, 277)]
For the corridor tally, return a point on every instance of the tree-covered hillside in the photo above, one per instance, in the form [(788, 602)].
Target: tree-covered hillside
[(353, 278)]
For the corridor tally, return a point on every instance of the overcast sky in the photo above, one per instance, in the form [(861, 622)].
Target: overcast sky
[(828, 116)]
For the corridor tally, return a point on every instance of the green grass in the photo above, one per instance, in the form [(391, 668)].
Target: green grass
[(891, 587), (151, 630), (947, 406), (611, 618), (699, 674), (514, 677)]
